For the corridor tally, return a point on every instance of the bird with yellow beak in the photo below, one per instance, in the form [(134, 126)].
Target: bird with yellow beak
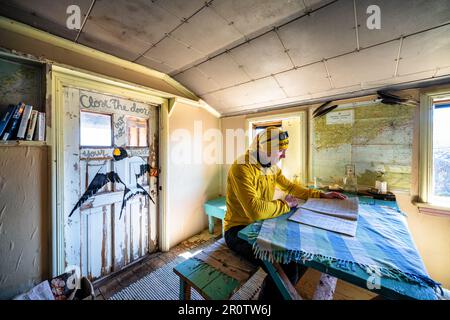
[(251, 184)]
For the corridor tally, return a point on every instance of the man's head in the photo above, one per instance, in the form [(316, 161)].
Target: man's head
[(270, 145)]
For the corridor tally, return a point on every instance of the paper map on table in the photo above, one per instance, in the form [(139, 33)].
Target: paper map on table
[(323, 221), (335, 215), (346, 209)]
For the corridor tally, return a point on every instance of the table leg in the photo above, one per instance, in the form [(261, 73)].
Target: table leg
[(282, 281), (211, 224)]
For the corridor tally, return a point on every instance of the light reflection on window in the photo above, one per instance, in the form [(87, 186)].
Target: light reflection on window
[(95, 129), (441, 154), (137, 132)]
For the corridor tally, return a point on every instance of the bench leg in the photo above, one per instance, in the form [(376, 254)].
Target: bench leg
[(185, 290), (211, 224)]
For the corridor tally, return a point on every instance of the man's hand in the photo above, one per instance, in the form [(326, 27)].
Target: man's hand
[(333, 195), (292, 201)]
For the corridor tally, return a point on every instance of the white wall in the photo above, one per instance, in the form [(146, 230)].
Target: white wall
[(191, 182)]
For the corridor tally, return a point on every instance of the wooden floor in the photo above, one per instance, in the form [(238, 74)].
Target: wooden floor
[(105, 288)]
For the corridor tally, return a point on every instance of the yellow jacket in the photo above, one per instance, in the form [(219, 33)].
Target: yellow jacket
[(250, 190)]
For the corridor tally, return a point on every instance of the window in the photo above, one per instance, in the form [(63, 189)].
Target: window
[(434, 154), (95, 129), (294, 165), (440, 192), (137, 132)]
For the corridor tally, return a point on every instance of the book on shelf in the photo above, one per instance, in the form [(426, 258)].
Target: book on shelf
[(40, 127), (24, 122), (32, 125), (6, 117), (10, 131)]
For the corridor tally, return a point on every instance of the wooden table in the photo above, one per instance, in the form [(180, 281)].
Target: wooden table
[(388, 288)]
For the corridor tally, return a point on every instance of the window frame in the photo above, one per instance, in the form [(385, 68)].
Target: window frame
[(427, 102)]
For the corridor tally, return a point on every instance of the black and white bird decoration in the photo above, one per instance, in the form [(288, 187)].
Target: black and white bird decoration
[(101, 179), (323, 109), (391, 99)]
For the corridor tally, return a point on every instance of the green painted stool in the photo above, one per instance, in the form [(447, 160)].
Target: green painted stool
[(216, 273), (215, 209)]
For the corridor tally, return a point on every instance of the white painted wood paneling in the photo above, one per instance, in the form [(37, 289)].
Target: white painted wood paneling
[(252, 16), (197, 81), (155, 64), (252, 92), (126, 28), (325, 33), (262, 56), (224, 71), (371, 64), (400, 18), (47, 15), (173, 53), (207, 32), (180, 8), (73, 188), (96, 238), (425, 51), (305, 80)]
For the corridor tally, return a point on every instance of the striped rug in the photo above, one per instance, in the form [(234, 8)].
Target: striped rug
[(164, 284)]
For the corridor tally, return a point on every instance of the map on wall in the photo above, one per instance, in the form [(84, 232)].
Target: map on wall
[(19, 82), (379, 139)]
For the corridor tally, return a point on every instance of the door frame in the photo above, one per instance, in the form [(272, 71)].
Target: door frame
[(62, 76)]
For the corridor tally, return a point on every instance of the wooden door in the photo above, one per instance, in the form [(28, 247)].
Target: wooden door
[(98, 237)]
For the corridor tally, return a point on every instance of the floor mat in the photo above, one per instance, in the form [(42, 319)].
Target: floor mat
[(164, 284)]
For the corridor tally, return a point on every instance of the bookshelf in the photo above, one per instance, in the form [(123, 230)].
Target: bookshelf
[(22, 80), (22, 143)]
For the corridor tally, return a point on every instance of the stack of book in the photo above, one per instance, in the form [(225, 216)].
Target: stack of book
[(21, 122)]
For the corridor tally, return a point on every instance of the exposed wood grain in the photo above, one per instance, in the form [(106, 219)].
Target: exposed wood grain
[(230, 268), (220, 252), (185, 290), (104, 243), (127, 278), (110, 288), (156, 263)]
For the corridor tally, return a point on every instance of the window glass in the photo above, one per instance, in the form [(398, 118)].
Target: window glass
[(441, 153), (95, 129), (137, 132)]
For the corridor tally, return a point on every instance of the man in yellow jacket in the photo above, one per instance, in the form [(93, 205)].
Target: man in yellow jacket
[(250, 190)]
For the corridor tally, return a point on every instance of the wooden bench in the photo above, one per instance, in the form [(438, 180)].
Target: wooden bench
[(216, 273), (215, 209)]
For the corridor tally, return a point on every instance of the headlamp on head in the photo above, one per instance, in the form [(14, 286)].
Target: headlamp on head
[(284, 140)]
